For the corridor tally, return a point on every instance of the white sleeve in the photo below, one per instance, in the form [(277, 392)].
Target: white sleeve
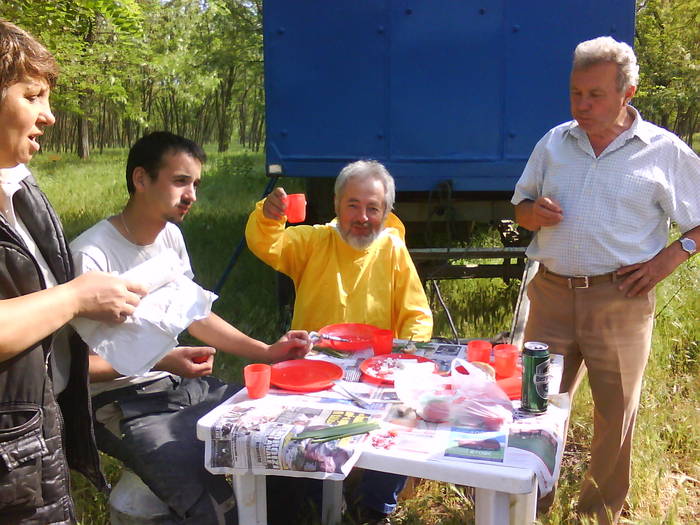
[(178, 244), (529, 186), (682, 201)]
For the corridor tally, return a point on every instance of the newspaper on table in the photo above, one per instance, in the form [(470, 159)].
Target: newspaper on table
[(255, 436), (534, 441)]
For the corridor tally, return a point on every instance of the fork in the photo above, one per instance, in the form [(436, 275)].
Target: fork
[(353, 374), (359, 401)]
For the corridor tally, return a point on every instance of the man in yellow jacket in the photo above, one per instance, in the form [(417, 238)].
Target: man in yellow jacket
[(355, 269)]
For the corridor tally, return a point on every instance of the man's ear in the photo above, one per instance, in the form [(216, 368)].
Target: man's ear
[(629, 93), (138, 177)]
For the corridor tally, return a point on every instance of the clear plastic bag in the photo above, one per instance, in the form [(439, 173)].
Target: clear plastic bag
[(429, 394), (478, 401), (470, 399)]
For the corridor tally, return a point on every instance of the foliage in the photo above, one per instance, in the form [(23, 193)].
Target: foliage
[(129, 66), (668, 49)]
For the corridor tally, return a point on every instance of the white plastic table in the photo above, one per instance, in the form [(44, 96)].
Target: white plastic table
[(504, 494)]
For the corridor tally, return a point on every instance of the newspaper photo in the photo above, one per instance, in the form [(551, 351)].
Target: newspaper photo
[(258, 437)]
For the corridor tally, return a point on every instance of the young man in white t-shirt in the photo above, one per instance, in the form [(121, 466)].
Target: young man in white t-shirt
[(148, 422)]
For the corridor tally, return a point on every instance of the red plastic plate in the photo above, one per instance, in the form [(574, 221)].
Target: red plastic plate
[(304, 375), (359, 336), (379, 369)]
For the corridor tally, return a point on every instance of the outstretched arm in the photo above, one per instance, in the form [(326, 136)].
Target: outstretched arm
[(184, 361), (220, 334), (642, 277), (27, 319)]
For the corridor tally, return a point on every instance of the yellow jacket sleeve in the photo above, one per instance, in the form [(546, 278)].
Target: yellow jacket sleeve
[(284, 249), (411, 312)]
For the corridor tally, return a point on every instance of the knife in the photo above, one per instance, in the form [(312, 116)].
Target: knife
[(316, 337)]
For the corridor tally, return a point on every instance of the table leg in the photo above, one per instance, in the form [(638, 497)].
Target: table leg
[(251, 498), (524, 506), (332, 502), (491, 507)]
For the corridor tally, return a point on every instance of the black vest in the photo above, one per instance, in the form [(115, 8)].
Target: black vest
[(34, 481)]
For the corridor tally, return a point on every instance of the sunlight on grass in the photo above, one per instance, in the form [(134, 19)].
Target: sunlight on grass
[(666, 463)]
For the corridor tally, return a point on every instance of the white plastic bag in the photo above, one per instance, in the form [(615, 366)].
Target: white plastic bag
[(174, 302), (479, 402), (429, 394)]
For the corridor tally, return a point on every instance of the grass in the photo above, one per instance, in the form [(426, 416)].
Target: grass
[(666, 469)]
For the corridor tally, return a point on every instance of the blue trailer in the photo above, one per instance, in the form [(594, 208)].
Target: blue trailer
[(440, 91), (451, 95)]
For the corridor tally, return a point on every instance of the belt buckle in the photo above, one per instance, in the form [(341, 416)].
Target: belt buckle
[(572, 284)]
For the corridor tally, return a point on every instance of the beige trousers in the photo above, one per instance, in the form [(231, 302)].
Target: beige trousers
[(601, 330)]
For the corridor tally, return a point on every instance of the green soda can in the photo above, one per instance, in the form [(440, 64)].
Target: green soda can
[(535, 377)]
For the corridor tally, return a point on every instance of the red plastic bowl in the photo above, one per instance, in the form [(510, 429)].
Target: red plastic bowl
[(359, 336)]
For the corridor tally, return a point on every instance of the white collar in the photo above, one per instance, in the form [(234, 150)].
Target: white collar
[(9, 185), (13, 175)]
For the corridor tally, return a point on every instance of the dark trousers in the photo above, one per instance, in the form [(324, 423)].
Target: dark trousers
[(158, 442)]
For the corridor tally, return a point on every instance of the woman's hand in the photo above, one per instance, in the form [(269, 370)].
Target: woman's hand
[(104, 297)]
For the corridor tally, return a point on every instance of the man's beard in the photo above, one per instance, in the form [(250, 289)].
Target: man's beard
[(359, 242)]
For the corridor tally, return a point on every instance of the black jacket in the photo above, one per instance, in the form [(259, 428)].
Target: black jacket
[(37, 434)]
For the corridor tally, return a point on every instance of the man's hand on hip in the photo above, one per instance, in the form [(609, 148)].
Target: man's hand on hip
[(642, 277)]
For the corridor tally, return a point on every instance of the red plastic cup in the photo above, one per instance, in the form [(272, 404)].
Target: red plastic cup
[(296, 207), (383, 342), (257, 380), (505, 357), (478, 350)]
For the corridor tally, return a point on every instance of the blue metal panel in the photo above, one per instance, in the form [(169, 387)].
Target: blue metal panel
[(540, 38), (446, 83), (440, 90), (324, 78)]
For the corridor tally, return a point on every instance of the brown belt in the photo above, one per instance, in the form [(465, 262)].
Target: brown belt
[(579, 281)]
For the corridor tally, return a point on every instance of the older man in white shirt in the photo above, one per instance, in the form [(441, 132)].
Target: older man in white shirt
[(600, 192)]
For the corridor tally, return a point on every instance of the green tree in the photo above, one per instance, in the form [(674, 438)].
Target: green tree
[(91, 40), (128, 66), (668, 48)]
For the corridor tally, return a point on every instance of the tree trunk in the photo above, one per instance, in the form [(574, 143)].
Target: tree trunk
[(83, 137)]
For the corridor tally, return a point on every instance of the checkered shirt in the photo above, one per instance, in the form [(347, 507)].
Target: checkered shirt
[(616, 206)]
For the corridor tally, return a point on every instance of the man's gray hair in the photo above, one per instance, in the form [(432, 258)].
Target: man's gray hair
[(607, 49), (365, 169)]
